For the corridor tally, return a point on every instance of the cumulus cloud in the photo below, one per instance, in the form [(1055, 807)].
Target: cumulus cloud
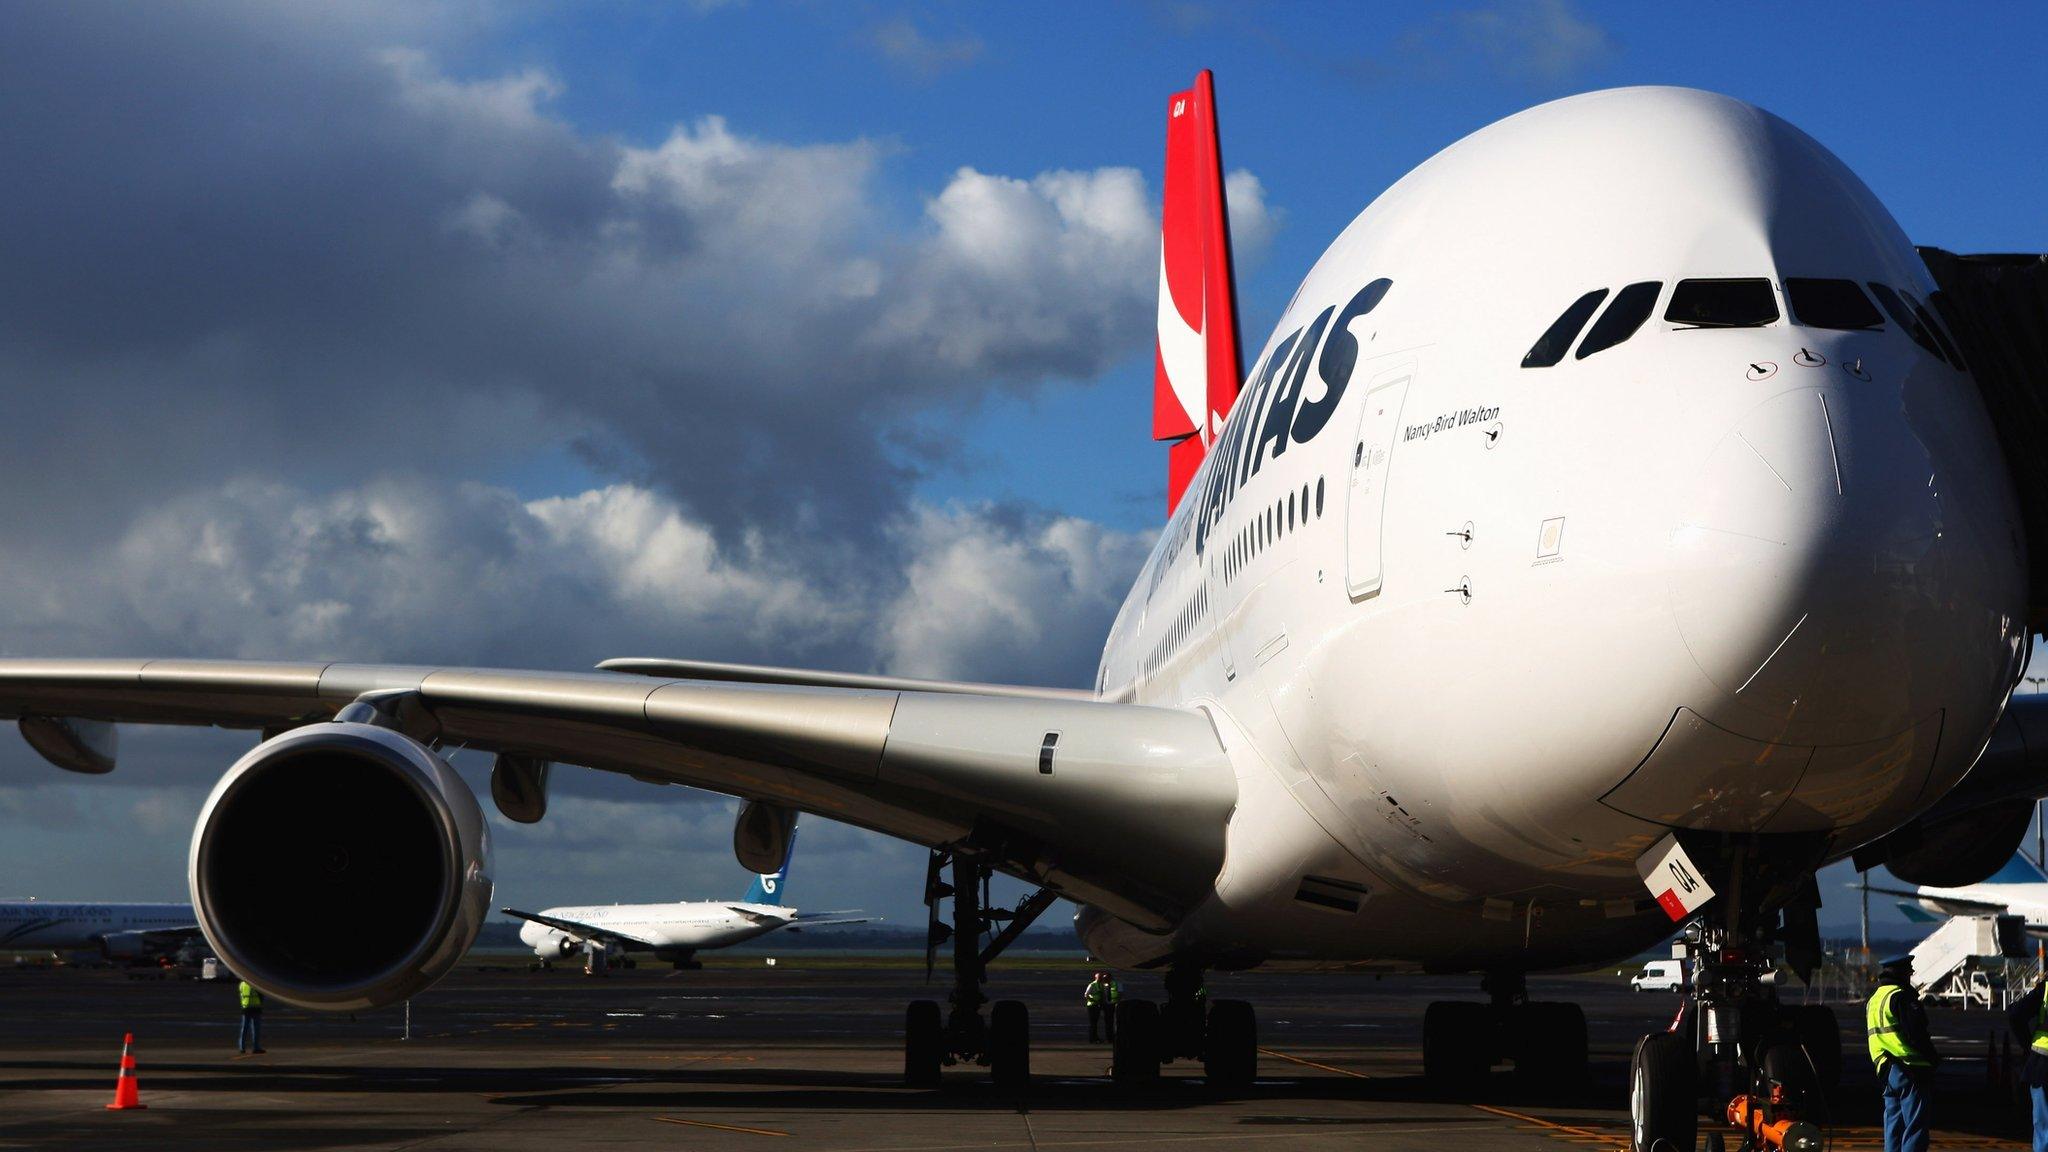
[(742, 323), (975, 589), (414, 571)]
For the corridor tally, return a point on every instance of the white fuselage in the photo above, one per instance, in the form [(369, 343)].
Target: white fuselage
[(682, 927), (2027, 900), (1486, 632), (56, 926)]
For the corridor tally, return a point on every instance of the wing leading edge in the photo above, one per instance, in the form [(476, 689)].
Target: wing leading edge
[(583, 931), (1115, 805)]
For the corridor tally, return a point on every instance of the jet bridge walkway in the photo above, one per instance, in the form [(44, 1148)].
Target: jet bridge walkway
[(1996, 306)]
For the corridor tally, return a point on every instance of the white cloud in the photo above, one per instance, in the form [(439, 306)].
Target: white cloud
[(507, 102), (903, 44), (412, 570), (1253, 222), (1544, 40), (978, 591)]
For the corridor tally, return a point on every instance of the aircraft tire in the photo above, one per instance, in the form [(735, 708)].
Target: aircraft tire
[(1230, 1046), (1550, 1045), (1456, 1049), (1819, 1031), (1663, 1094), (1009, 1045), (924, 1044), (1135, 1057)]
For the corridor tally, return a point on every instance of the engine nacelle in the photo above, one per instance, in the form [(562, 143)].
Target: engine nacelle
[(341, 866)]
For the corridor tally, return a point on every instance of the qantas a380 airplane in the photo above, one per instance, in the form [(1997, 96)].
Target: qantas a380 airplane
[(1611, 533)]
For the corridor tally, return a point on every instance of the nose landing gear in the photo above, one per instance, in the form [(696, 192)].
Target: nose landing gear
[(1734, 1042)]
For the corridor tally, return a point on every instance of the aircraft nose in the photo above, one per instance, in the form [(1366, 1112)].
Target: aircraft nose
[(1828, 580)]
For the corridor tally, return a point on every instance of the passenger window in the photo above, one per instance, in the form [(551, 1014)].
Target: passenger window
[(1831, 304), (1557, 339), (1747, 303), (1903, 317), (1632, 305)]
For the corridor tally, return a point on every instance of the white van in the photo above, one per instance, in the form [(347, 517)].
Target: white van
[(1659, 976)]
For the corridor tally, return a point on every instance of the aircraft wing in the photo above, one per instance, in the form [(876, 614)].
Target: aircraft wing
[(1119, 806), (583, 931), (821, 919), (1949, 905)]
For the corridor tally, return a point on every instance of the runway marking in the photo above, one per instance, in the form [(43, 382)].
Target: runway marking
[(1313, 1064), (720, 1127), (1577, 1134)]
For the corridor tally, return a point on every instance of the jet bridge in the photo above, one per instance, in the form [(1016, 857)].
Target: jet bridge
[(1996, 305)]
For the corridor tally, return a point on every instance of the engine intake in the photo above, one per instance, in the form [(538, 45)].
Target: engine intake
[(341, 866)]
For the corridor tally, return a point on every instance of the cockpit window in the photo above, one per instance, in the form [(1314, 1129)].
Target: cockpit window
[(1747, 303), (1632, 305), (1903, 316), (1938, 301), (1557, 339), (1934, 329), (1831, 304)]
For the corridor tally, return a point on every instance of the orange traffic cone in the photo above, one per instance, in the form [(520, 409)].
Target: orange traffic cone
[(125, 1092)]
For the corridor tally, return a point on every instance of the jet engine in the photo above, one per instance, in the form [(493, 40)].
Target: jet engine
[(1971, 832), (341, 866)]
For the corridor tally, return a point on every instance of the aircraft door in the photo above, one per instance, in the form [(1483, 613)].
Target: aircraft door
[(1371, 458)]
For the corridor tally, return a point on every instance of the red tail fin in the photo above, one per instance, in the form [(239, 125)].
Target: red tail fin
[(1196, 368)]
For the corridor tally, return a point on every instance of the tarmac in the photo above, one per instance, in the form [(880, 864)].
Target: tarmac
[(807, 1054)]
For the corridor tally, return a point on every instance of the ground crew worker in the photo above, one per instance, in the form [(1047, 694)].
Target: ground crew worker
[(1903, 1053), (250, 1039), (2029, 1022), (1098, 999), (1116, 995)]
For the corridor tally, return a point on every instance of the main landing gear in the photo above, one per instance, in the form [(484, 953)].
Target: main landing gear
[(1735, 1047), (1222, 1034), (1002, 1042), (1546, 1040)]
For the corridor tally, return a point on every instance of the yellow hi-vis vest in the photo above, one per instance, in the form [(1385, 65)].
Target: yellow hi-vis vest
[(1881, 1024), (2040, 1043), (251, 998)]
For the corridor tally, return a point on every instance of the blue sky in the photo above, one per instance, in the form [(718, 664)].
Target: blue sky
[(767, 331)]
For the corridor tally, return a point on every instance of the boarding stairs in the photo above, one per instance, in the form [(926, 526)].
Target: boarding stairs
[(1974, 961)]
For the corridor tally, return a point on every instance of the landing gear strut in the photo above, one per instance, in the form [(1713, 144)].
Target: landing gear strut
[(1002, 1042), (1461, 1042)]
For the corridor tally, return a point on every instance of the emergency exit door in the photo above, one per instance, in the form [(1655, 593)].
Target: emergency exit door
[(1372, 453)]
